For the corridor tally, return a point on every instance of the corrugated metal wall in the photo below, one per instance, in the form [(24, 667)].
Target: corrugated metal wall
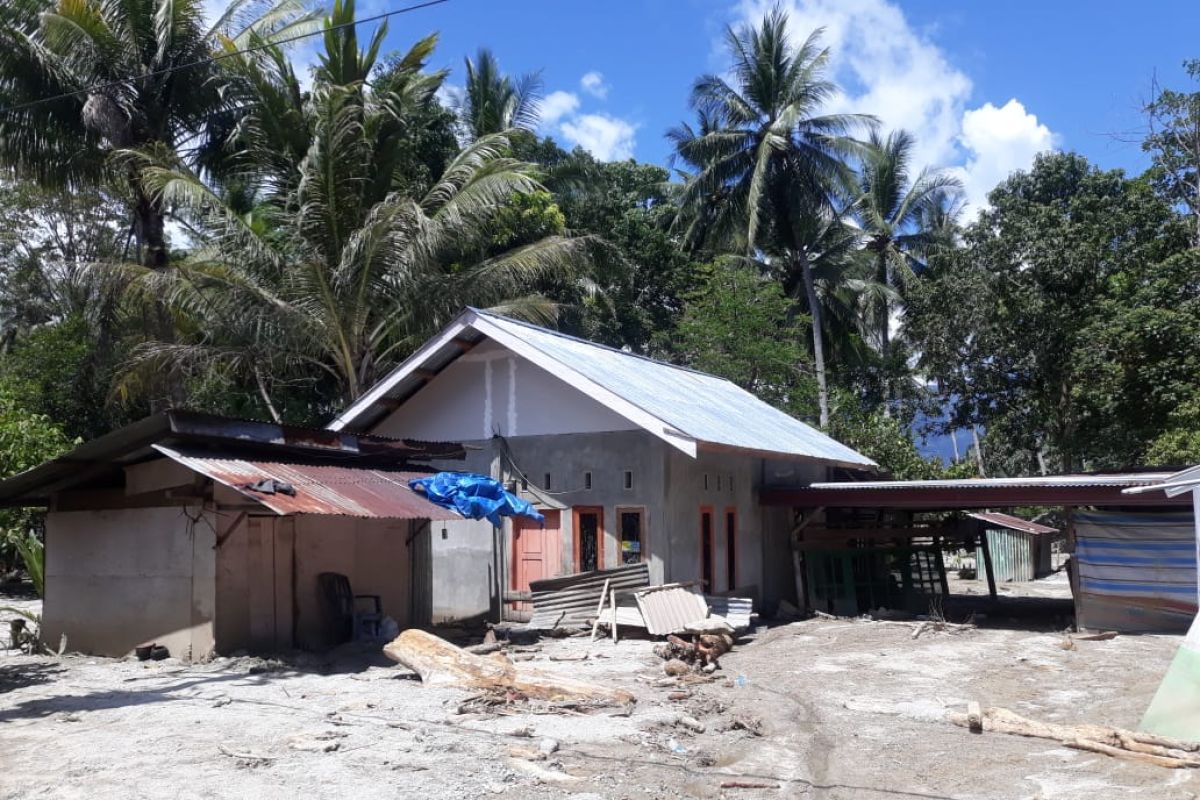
[(1014, 555)]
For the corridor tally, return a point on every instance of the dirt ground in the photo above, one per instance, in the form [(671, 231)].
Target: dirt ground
[(819, 708)]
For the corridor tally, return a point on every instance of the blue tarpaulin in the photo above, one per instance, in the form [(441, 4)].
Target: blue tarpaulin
[(474, 496)]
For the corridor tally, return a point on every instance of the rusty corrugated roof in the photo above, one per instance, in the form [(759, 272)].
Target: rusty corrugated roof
[(1013, 523), (319, 488)]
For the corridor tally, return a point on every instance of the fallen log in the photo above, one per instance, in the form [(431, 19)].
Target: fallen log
[(440, 663), (1135, 745)]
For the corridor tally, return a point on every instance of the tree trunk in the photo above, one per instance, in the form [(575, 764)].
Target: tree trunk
[(978, 450), (168, 390), (814, 310), (440, 663)]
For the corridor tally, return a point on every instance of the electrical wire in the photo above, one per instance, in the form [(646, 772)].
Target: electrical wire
[(214, 59), (506, 452)]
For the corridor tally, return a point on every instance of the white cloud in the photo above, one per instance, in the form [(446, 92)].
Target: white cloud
[(593, 83), (888, 69), (998, 141), (607, 138), (557, 105)]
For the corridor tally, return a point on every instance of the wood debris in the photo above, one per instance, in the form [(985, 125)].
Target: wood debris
[(440, 663), (1146, 747)]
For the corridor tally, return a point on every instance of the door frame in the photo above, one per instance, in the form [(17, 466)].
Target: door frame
[(731, 547), (576, 511), (712, 547)]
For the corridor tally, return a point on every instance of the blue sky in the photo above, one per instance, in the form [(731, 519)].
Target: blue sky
[(984, 86)]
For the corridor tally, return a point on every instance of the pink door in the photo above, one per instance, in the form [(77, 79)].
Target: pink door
[(536, 553)]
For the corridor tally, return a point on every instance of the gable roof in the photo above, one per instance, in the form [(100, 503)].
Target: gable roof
[(688, 409)]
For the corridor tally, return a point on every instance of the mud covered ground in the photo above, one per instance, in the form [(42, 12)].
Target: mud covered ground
[(819, 708)]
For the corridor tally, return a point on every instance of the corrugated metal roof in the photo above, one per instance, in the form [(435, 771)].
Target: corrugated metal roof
[(706, 408), (667, 609), (681, 405), (1013, 523), (737, 611), (319, 489), (1047, 481), (573, 599)]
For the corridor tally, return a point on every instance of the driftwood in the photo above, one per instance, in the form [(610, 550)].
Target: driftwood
[(440, 663), (1145, 747)]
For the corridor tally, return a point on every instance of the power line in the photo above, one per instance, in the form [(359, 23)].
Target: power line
[(216, 58)]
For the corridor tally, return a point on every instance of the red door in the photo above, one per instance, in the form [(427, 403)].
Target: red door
[(536, 553)]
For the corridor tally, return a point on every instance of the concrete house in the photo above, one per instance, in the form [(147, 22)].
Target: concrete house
[(207, 535), (629, 459)]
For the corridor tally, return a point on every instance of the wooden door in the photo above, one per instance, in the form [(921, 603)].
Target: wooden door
[(589, 538), (536, 553), (270, 549)]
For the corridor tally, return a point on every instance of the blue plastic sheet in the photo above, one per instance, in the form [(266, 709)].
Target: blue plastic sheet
[(474, 496)]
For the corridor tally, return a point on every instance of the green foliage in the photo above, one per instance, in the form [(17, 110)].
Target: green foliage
[(1062, 325), (1179, 443), (889, 443), (739, 325), (1173, 143), (26, 440)]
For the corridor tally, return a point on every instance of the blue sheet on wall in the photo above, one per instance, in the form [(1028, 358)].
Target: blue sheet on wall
[(474, 496)]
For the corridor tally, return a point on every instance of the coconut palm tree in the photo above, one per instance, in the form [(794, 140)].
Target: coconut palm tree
[(493, 102), (337, 269), (903, 218), (110, 75), (764, 155)]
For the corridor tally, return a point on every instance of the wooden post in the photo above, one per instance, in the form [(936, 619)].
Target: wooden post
[(987, 563), (613, 606), (599, 608)]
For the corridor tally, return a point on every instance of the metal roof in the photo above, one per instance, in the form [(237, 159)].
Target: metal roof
[(682, 406), (1114, 479), (1013, 523), (319, 489), (1104, 490), (101, 461), (1178, 483)]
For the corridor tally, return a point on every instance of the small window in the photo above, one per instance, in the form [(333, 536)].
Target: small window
[(546, 482), (731, 483), (706, 481), (524, 484), (718, 483), (587, 480), (628, 479)]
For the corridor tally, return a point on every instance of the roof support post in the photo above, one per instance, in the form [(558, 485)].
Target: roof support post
[(987, 561)]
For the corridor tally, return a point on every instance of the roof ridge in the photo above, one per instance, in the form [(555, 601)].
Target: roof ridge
[(590, 343)]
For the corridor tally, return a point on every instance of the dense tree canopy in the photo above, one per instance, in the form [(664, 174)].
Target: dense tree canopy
[(241, 237)]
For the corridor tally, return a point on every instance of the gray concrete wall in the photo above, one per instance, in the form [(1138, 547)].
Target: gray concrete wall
[(120, 578), (730, 484)]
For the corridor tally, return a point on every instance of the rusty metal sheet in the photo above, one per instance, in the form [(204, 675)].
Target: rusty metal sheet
[(1013, 523), (667, 609), (319, 489)]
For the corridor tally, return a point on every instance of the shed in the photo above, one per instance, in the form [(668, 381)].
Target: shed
[(1021, 549), (206, 534)]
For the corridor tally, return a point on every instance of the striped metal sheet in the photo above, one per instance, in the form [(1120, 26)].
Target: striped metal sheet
[(572, 599), (1137, 571), (667, 609), (736, 610)]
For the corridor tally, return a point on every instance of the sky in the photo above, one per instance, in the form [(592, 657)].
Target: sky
[(983, 86)]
